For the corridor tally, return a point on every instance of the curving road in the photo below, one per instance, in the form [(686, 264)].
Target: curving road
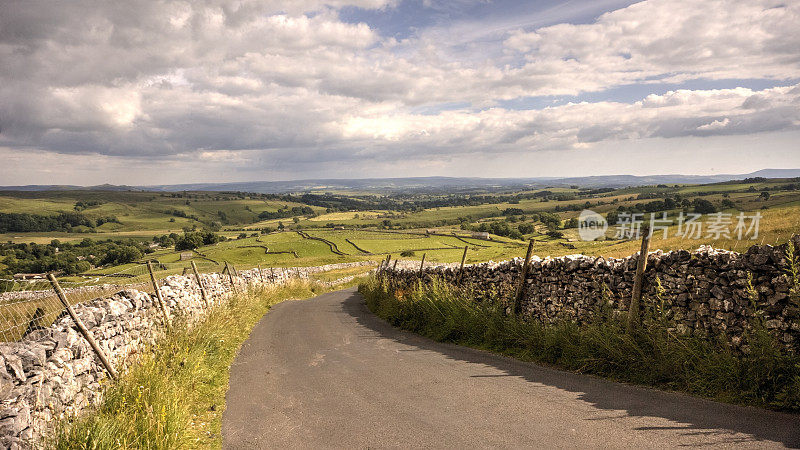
[(326, 373)]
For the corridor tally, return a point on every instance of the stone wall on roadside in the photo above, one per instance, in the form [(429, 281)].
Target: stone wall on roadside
[(705, 292), (53, 372)]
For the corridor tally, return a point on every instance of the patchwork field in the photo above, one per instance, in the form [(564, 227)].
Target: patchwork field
[(306, 230)]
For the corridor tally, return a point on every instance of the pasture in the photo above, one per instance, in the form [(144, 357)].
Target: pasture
[(331, 236)]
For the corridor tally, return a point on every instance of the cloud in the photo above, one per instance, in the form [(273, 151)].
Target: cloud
[(715, 125), (673, 41), (292, 82), (674, 114)]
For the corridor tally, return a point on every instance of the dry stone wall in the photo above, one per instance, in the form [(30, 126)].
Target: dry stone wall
[(53, 372), (705, 292)]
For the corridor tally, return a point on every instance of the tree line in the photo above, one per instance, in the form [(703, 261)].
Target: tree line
[(64, 221)]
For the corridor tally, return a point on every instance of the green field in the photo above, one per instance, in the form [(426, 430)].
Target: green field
[(143, 213), (370, 234)]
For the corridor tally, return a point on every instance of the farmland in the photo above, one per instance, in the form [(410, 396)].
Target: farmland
[(305, 230)]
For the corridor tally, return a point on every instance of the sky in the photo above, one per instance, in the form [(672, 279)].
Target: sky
[(164, 92)]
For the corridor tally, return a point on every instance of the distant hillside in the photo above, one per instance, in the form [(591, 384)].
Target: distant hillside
[(429, 184), (69, 187), (454, 184)]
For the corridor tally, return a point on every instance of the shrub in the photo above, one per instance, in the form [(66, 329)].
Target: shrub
[(513, 212), (571, 223)]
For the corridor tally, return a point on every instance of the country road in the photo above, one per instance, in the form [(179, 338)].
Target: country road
[(325, 373)]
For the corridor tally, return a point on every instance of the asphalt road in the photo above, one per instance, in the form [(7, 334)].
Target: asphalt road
[(327, 373)]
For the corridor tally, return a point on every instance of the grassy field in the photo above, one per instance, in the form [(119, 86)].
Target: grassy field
[(278, 249), (376, 232), (142, 214)]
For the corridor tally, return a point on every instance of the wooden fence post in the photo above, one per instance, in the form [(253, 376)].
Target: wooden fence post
[(422, 264), (394, 267), (272, 274), (260, 274), (230, 277), (521, 286), (384, 265), (161, 304), (461, 267), (380, 267), (638, 280), (236, 272), (81, 326), (200, 283)]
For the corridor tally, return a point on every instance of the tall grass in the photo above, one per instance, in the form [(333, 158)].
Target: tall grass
[(766, 375), (173, 395)]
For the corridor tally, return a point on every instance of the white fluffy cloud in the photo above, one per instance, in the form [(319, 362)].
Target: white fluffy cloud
[(674, 114), (157, 78), (675, 40)]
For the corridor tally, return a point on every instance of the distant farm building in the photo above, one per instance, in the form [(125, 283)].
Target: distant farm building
[(29, 276), (185, 256), (481, 235)]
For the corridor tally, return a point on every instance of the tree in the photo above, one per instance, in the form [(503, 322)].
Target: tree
[(703, 206), (764, 195), (525, 228), (513, 212), (189, 241), (550, 220), (122, 254)]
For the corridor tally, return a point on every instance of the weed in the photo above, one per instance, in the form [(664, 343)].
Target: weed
[(174, 394), (766, 375)]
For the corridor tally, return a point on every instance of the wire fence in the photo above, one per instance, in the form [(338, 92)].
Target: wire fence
[(27, 305)]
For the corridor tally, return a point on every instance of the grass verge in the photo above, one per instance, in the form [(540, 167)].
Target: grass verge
[(173, 395), (767, 375)]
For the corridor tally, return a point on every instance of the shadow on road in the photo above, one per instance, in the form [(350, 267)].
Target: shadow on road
[(699, 416)]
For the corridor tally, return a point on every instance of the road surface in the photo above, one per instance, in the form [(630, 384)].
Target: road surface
[(325, 373)]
